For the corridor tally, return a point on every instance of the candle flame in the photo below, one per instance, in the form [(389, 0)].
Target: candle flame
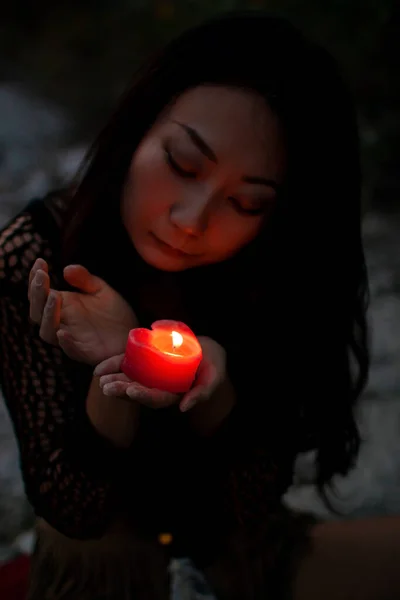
[(177, 339)]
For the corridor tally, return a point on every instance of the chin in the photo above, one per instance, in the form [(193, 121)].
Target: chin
[(168, 266), (162, 263)]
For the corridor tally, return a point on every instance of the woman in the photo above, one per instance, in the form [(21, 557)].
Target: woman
[(224, 192)]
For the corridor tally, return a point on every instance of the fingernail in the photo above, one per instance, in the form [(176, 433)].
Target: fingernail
[(39, 278)]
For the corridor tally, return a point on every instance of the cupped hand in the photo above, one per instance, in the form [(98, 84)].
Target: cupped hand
[(210, 374), (115, 383), (89, 325)]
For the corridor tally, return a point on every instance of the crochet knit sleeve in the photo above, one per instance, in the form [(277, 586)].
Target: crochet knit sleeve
[(67, 467)]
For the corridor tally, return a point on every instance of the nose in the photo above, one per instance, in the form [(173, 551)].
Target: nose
[(190, 215)]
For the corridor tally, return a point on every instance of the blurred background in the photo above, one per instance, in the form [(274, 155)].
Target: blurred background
[(62, 67)]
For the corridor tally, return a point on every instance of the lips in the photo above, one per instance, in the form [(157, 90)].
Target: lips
[(168, 248)]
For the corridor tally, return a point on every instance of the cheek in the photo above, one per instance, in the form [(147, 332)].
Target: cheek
[(231, 232), (149, 191)]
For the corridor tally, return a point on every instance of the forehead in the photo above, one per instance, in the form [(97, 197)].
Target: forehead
[(234, 122)]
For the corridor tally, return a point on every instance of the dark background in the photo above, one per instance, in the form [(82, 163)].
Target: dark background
[(81, 53)]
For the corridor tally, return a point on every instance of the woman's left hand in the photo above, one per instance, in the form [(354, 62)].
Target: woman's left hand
[(210, 376)]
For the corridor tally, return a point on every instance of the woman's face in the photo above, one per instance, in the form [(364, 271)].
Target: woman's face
[(204, 178)]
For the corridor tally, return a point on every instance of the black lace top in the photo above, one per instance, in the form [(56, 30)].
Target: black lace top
[(168, 480)]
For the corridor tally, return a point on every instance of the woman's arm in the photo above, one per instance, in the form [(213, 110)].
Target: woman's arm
[(115, 419), (70, 471)]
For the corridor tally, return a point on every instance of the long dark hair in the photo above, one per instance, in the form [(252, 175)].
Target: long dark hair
[(292, 306)]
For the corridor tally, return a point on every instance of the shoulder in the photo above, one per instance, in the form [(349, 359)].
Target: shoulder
[(34, 232)]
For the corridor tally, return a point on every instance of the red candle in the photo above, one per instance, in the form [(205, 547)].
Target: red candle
[(165, 357)]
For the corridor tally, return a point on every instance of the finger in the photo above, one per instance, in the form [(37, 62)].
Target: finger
[(51, 318), (66, 342), (106, 379), (40, 287), (194, 397), (208, 375), (39, 263), (79, 277), (108, 366), (117, 389), (151, 397), (70, 346), (208, 378)]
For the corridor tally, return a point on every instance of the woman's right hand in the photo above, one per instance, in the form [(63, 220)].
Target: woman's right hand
[(89, 325), (116, 384)]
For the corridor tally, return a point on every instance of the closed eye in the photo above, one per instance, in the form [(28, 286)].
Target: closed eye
[(252, 209), (255, 210), (176, 167)]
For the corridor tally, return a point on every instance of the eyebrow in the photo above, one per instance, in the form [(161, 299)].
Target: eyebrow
[(199, 142), (210, 154)]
